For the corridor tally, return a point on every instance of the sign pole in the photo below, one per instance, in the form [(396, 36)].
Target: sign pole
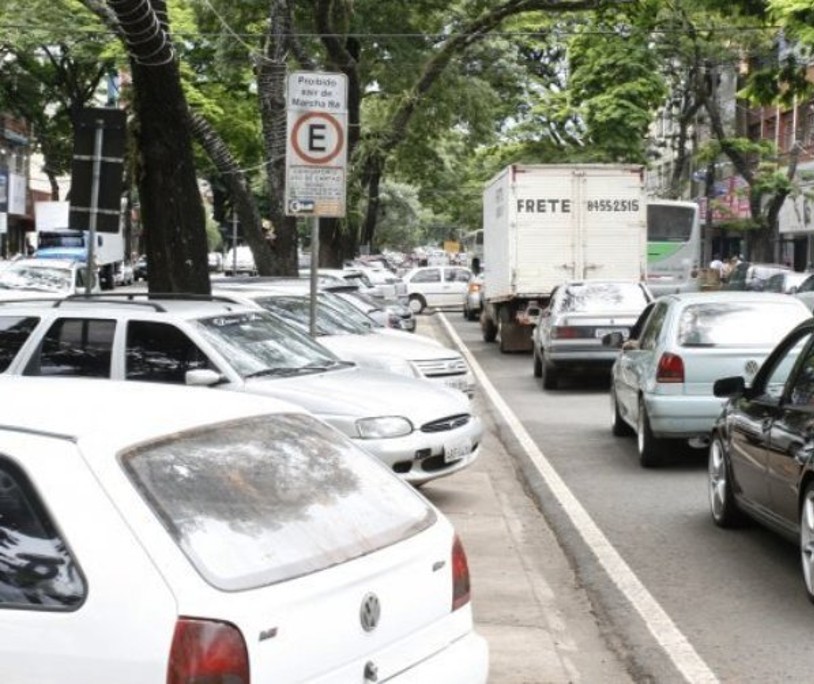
[(316, 155), (94, 204), (314, 266)]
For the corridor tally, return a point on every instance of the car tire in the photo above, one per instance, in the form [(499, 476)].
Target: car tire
[(722, 504), (807, 540), (619, 428), (551, 376), (649, 447), (538, 364), (417, 304)]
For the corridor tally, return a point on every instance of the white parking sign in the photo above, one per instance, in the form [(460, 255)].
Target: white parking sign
[(316, 151)]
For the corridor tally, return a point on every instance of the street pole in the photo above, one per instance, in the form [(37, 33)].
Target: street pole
[(234, 243), (94, 205), (312, 325)]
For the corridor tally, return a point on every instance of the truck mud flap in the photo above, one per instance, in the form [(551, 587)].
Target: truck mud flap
[(515, 337)]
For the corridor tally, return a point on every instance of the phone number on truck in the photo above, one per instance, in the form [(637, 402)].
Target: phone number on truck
[(613, 205)]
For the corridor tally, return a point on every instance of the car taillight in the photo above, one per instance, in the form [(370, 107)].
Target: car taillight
[(460, 575), (670, 369), (207, 652), (566, 332)]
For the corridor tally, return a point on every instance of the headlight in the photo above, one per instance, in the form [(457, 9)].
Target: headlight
[(390, 364), (385, 426)]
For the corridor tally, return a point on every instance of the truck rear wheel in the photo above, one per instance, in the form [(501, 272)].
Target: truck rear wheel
[(488, 328)]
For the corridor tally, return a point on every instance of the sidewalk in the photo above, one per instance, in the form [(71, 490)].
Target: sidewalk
[(526, 599)]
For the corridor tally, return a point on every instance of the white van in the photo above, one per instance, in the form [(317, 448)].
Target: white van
[(239, 260)]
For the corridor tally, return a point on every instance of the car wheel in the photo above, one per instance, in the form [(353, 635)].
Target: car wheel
[(618, 426), (551, 375), (538, 364), (417, 304), (725, 511), (648, 446), (807, 540)]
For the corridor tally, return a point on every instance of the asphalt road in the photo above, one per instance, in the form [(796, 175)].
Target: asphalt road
[(700, 603)]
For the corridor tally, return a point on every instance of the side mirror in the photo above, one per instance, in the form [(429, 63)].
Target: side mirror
[(729, 387), (614, 339), (202, 377)]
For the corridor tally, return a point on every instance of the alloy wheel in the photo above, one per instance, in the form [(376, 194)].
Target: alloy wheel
[(718, 482), (807, 540)]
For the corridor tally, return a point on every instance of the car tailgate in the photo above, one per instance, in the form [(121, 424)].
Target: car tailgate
[(704, 365), (317, 627)]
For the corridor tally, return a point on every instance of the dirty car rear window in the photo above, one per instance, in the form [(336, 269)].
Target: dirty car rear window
[(262, 500)]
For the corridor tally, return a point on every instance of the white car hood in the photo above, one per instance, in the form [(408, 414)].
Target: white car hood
[(360, 392), (408, 347)]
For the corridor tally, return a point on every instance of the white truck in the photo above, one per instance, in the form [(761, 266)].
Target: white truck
[(54, 240), (545, 224)]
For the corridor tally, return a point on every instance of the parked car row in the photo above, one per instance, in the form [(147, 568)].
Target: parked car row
[(287, 494)]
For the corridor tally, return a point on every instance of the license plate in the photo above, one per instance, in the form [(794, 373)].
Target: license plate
[(457, 383), (455, 451), (601, 332)]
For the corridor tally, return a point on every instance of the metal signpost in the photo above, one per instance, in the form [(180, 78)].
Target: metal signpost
[(316, 154)]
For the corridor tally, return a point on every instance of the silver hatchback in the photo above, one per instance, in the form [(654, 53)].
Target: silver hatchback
[(661, 382)]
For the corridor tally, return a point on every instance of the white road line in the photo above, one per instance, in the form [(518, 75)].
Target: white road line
[(665, 631)]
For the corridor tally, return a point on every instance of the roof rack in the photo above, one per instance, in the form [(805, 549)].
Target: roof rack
[(143, 298), (33, 300)]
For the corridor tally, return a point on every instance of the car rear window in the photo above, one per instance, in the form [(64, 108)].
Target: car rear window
[(266, 499), (603, 297), (737, 324)]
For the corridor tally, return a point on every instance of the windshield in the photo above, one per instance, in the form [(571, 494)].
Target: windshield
[(296, 310), (258, 344), (669, 223), (41, 278)]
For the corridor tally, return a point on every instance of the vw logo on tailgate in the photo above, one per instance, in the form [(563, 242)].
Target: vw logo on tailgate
[(370, 612)]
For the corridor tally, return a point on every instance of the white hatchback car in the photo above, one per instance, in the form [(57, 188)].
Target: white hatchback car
[(193, 536), (420, 430), (437, 286)]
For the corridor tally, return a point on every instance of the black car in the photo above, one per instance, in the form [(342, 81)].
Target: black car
[(761, 457), (751, 276)]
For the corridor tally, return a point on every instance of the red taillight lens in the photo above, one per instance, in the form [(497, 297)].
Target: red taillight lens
[(567, 332), (670, 369), (460, 575), (207, 652)]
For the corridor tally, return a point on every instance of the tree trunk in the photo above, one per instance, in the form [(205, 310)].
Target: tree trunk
[(271, 84), (171, 207), (243, 201)]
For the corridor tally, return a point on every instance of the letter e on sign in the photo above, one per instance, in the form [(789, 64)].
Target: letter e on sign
[(317, 138)]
